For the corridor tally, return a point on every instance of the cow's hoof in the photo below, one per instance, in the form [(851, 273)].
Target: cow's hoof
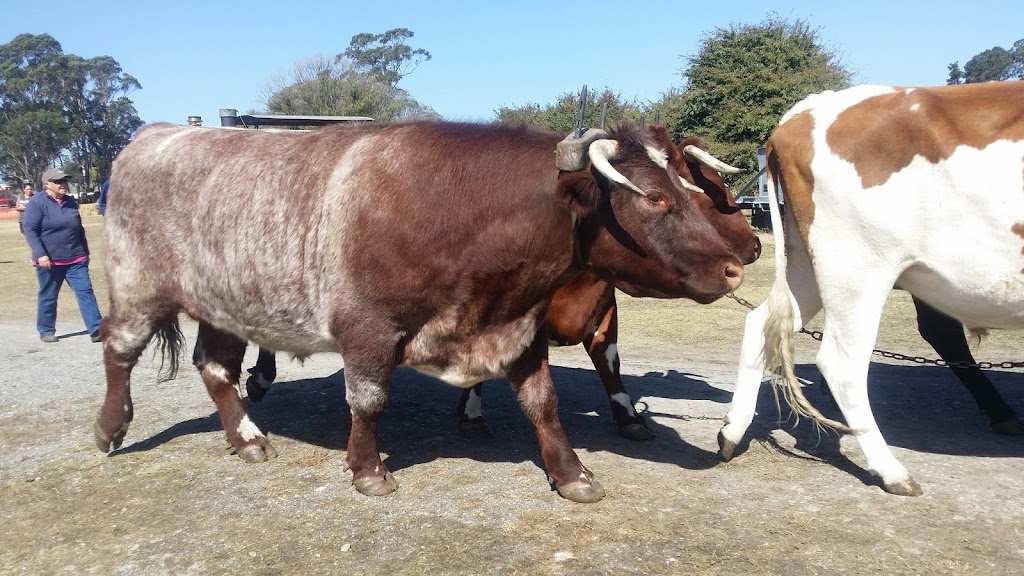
[(1010, 427), (906, 487), (255, 387), (376, 485), (636, 431), (104, 442), (726, 447), (256, 453), (475, 429), (582, 492)]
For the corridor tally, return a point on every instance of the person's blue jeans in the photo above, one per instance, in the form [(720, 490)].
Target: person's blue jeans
[(50, 281)]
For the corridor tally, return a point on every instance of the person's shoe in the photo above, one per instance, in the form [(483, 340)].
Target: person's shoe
[(48, 338), (96, 336)]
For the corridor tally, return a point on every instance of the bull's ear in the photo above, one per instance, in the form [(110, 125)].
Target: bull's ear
[(675, 157), (580, 192)]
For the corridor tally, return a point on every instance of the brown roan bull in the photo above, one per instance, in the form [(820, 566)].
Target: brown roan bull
[(432, 245)]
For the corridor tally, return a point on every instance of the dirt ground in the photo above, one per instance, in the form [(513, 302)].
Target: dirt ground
[(172, 501)]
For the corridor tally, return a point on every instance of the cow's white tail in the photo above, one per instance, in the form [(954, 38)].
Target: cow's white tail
[(779, 323)]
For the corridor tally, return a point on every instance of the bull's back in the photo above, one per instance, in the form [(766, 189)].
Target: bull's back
[(268, 234)]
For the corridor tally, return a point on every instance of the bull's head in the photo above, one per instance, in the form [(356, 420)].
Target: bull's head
[(698, 167), (639, 227)]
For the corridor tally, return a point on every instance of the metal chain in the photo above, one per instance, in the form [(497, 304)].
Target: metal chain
[(817, 335)]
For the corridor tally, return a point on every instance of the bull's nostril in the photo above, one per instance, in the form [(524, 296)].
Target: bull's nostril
[(733, 276)]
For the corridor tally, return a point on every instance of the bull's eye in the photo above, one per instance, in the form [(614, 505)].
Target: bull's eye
[(655, 197)]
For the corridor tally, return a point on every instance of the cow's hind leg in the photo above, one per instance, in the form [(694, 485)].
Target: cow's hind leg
[(124, 339), (261, 376), (218, 356), (530, 377), (471, 416), (602, 346), (806, 304), (946, 336)]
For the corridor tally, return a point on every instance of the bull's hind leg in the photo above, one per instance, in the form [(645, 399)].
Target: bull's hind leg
[(530, 377), (261, 376), (602, 346), (471, 415), (124, 339), (218, 356)]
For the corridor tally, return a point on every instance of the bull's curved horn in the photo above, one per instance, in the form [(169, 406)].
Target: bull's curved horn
[(599, 152), (705, 158), (687, 185)]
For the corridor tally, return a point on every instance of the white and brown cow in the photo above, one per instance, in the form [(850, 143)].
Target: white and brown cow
[(432, 245), (918, 187)]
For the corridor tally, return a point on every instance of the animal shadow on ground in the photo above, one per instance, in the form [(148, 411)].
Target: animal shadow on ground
[(920, 408), (420, 424)]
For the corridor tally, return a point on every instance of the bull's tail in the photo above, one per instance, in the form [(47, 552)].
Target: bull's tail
[(170, 342), (779, 323)]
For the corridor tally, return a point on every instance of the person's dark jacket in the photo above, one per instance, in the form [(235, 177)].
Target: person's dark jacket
[(54, 230), (102, 202)]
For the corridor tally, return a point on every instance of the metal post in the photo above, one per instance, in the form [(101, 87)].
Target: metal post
[(229, 117), (195, 120)]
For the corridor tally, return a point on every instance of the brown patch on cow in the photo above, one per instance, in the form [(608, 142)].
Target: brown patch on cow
[(1018, 229), (882, 135), (790, 151)]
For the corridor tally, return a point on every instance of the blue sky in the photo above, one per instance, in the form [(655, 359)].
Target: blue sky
[(194, 58)]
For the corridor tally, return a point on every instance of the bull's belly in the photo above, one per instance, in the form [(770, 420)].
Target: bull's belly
[(446, 350), (299, 338)]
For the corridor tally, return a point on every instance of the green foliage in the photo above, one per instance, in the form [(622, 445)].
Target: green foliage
[(321, 87), (993, 64), (56, 107), (561, 116), (741, 82), (956, 75), (386, 56)]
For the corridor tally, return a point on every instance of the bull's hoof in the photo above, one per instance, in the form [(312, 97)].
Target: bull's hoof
[(475, 429), (636, 431), (906, 487), (255, 388), (582, 492), (1010, 427), (376, 485), (103, 442), (256, 453), (726, 447)]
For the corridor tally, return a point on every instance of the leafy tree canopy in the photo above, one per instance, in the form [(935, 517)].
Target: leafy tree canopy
[(324, 87), (743, 79), (61, 108), (386, 56), (561, 116), (993, 64)]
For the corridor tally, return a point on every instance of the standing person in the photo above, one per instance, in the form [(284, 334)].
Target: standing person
[(102, 202), (60, 251), (27, 190)]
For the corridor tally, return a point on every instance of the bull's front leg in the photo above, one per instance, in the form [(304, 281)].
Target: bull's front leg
[(368, 370), (602, 346), (218, 356), (530, 377)]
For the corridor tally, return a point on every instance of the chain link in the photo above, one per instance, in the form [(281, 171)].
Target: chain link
[(817, 335)]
